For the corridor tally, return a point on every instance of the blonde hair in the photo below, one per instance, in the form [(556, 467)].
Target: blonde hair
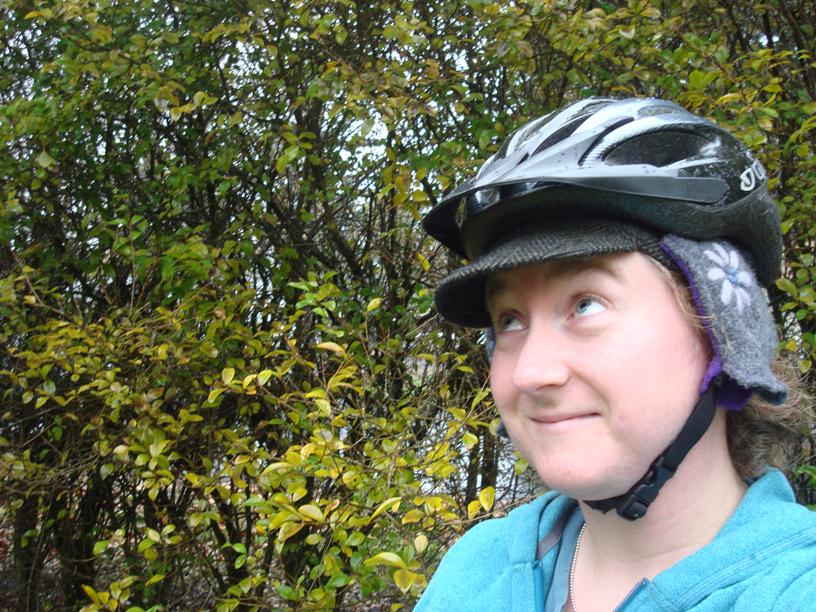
[(762, 434)]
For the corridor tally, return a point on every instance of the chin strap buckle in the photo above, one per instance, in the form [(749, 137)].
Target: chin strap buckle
[(636, 502)]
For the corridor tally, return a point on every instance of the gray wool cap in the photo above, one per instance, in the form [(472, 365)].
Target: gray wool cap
[(736, 315)]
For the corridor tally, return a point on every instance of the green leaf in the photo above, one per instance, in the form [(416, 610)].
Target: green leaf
[(45, 160), (786, 285), (154, 579), (153, 535), (100, 547)]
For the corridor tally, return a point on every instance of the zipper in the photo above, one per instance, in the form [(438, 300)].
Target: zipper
[(538, 580), (630, 594)]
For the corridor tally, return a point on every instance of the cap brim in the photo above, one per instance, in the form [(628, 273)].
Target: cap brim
[(460, 297)]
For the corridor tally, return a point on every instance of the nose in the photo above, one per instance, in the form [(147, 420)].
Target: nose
[(540, 362)]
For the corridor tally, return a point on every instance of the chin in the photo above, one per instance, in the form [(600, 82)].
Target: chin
[(586, 485)]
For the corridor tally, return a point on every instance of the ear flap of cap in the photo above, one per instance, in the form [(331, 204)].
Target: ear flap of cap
[(736, 315)]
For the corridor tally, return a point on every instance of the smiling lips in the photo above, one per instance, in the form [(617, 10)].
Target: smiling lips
[(552, 420)]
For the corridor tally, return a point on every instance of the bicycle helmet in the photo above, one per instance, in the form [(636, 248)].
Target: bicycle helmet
[(646, 161)]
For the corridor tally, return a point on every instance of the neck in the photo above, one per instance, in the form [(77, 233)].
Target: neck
[(689, 511)]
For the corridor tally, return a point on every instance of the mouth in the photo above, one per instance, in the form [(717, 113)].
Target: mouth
[(559, 421)]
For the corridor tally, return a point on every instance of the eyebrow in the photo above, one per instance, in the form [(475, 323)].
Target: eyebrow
[(605, 264)]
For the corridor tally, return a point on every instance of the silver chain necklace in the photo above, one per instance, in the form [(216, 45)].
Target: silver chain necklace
[(572, 569)]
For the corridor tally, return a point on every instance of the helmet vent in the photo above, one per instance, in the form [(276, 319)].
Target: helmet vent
[(592, 153), (562, 133), (658, 149)]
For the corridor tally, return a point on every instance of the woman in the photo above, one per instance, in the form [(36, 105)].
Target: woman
[(617, 252)]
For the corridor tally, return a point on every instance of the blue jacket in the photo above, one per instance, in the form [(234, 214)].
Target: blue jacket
[(764, 558)]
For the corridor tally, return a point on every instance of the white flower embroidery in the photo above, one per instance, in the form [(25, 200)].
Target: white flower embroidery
[(734, 281)]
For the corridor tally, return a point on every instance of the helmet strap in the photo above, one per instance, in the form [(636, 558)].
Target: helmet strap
[(633, 504)]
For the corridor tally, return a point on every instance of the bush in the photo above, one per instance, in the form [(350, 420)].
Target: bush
[(223, 381)]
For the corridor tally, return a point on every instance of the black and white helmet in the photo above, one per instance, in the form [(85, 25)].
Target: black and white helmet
[(645, 161)]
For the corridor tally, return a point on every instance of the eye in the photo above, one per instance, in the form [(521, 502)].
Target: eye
[(508, 322), (588, 306)]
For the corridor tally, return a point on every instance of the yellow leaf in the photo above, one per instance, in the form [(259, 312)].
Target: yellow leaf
[(727, 98), (404, 578), (374, 304), (154, 579), (157, 448), (283, 517), (214, 395), (227, 375), (391, 502), (324, 407), (413, 516), (264, 376), (419, 196), (331, 346), (486, 497), (273, 467), (287, 530), (386, 558), (420, 543), (248, 380), (91, 593), (473, 508), (311, 512), (470, 440)]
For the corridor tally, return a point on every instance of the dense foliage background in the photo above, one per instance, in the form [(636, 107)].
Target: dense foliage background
[(223, 384)]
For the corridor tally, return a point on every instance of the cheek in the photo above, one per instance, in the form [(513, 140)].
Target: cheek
[(661, 373), (500, 381)]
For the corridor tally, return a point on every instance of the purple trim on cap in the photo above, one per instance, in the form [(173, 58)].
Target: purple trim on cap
[(715, 367), (731, 395), (716, 364)]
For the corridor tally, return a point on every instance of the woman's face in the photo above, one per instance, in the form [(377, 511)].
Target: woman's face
[(596, 368)]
